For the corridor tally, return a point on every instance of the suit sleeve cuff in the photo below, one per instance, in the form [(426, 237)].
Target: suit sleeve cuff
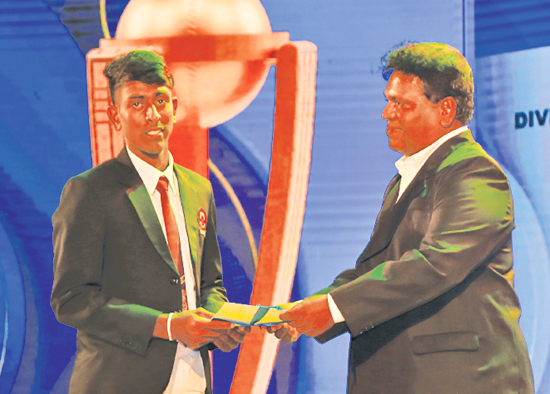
[(335, 312)]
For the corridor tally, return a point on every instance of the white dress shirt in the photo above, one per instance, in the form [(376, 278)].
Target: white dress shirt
[(188, 372), (408, 167)]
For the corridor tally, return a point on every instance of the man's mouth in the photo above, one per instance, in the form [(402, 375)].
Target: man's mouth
[(392, 129), (155, 133)]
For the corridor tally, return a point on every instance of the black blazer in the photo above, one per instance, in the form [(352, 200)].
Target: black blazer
[(114, 275), (430, 304)]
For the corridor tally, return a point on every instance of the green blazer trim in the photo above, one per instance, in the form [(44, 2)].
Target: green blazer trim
[(191, 203)]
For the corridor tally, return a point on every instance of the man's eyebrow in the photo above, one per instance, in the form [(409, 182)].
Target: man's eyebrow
[(136, 97), (160, 93)]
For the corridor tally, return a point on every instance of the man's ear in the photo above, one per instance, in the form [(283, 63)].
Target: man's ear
[(175, 107), (112, 114), (447, 107)]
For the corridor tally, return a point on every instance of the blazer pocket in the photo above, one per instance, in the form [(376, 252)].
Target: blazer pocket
[(445, 342)]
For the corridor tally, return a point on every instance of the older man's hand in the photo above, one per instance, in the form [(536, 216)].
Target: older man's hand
[(311, 317)]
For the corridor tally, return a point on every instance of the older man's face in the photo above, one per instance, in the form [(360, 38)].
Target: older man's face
[(414, 122)]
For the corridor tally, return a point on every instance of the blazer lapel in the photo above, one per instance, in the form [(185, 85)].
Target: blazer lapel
[(190, 205), (139, 196), (392, 212), (382, 226)]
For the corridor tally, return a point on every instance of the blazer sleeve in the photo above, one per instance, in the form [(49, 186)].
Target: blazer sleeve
[(78, 299), (471, 217)]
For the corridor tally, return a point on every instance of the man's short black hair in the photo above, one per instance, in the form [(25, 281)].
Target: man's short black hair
[(442, 69), (137, 65)]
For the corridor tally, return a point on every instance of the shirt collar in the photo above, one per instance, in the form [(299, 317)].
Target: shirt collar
[(150, 175), (413, 163)]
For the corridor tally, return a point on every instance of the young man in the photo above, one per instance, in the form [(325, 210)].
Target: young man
[(137, 265), (430, 304)]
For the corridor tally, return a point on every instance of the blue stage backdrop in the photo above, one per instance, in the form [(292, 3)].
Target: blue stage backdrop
[(513, 96), (44, 140)]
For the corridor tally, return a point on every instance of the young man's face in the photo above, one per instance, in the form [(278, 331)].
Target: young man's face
[(146, 115)]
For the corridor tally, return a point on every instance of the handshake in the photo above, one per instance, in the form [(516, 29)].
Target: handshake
[(228, 327), (311, 317)]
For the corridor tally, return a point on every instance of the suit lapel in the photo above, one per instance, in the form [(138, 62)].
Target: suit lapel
[(190, 204), (382, 226), (139, 196), (392, 213)]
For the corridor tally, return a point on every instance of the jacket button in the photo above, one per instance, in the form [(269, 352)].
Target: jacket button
[(175, 281)]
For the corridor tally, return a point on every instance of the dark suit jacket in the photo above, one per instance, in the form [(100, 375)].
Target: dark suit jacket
[(430, 304), (114, 275)]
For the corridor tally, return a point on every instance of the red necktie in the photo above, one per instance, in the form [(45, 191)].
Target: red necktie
[(172, 234)]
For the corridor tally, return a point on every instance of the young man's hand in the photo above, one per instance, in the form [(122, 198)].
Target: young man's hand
[(193, 328)]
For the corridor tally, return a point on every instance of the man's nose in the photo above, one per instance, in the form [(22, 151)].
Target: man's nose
[(389, 111), (152, 114)]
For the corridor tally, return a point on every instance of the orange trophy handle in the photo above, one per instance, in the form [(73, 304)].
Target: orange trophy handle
[(285, 206)]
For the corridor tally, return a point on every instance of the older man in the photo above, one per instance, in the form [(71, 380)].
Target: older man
[(430, 304), (137, 265)]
